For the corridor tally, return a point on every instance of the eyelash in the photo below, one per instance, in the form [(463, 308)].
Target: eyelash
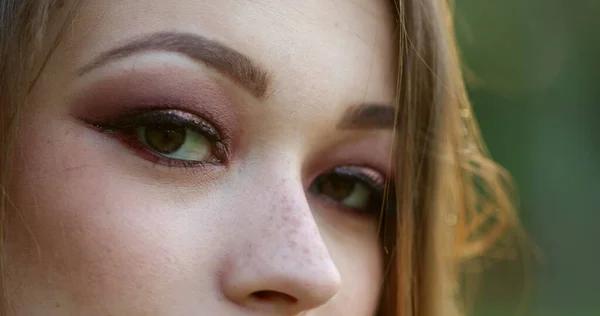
[(382, 193), (371, 181), (122, 128)]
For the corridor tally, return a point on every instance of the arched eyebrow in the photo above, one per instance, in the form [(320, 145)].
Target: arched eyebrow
[(236, 66)]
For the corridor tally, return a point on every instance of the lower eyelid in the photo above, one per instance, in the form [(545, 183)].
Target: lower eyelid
[(130, 141), (345, 210)]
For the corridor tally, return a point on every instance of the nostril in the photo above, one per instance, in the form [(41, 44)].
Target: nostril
[(271, 296)]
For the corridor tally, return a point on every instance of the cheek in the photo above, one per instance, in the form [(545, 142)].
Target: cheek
[(359, 260), (84, 227), (94, 231)]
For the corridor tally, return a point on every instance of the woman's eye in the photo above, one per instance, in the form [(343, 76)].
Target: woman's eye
[(353, 191), (169, 137), (176, 142)]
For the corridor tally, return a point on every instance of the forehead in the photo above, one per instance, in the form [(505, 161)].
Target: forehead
[(334, 49)]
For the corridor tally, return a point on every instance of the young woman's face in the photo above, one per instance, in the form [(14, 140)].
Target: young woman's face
[(206, 158)]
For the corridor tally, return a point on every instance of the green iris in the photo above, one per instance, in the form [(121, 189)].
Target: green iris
[(343, 189), (176, 143)]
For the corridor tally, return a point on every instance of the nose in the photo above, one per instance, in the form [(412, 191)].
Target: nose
[(280, 264)]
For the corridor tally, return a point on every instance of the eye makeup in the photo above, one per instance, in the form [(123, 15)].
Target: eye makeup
[(372, 150), (143, 90), (355, 193), (367, 183), (167, 124), (167, 100), (365, 160), (367, 176), (173, 99)]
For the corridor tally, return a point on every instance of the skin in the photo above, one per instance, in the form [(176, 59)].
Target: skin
[(97, 229)]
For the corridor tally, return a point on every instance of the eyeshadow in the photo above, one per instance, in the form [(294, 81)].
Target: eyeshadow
[(151, 89)]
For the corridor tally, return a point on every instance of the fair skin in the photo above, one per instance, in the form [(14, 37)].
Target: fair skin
[(103, 224)]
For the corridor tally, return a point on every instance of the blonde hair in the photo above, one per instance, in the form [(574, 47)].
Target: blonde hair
[(447, 189)]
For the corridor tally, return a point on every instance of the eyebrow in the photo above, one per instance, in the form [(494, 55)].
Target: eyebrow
[(231, 63), (369, 116), (239, 68)]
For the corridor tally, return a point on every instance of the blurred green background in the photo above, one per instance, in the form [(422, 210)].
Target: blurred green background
[(537, 67)]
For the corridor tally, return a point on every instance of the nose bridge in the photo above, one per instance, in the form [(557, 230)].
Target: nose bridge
[(292, 235), (278, 204), (284, 252), (289, 232)]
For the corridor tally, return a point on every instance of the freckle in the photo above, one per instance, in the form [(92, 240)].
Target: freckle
[(270, 218), (57, 305)]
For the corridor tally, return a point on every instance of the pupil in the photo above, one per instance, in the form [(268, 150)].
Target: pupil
[(336, 187), (164, 140)]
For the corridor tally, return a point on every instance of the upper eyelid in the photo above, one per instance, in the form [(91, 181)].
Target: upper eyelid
[(143, 118), (359, 171), (380, 188), (125, 133), (220, 105), (229, 122)]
